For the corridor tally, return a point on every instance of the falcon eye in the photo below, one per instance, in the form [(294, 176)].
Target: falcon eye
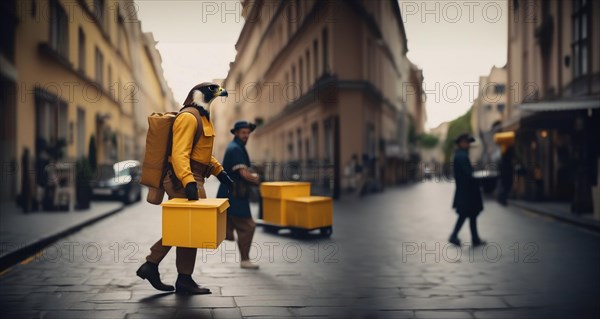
[(212, 88)]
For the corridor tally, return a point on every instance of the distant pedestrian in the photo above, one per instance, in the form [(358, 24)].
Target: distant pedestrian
[(506, 174), (467, 198), (239, 218)]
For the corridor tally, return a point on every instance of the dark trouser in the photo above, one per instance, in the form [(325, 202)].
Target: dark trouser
[(244, 227), (472, 224), (505, 188), (186, 257)]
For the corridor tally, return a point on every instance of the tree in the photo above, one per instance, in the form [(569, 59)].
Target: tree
[(428, 141), (458, 126)]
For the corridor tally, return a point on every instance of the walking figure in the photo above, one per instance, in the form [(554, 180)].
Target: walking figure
[(467, 198)]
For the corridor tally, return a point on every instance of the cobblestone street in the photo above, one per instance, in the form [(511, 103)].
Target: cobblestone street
[(388, 258)]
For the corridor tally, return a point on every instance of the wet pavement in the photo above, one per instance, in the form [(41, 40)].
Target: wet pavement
[(388, 258)]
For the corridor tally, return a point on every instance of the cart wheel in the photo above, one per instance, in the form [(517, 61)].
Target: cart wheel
[(326, 231), (299, 232), (270, 229)]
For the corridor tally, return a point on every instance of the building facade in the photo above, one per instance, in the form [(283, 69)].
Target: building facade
[(323, 79), (73, 70), (489, 111), (554, 98)]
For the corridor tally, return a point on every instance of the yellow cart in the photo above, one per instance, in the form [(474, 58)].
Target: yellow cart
[(288, 205)]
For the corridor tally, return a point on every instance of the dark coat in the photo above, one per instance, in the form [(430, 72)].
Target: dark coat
[(467, 198), (236, 156)]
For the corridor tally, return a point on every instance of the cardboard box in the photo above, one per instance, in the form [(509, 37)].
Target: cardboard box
[(195, 224), (274, 195), (309, 212)]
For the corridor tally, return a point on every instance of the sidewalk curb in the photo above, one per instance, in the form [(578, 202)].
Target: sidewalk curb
[(26, 251), (573, 220)]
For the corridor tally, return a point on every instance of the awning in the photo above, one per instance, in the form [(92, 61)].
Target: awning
[(561, 105), (504, 137)]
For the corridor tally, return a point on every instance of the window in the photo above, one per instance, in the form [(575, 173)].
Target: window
[(298, 14), (308, 78), (51, 118), (325, 51), (8, 27), (280, 37), (499, 89), (370, 139), (580, 43), (315, 140), (291, 146), (99, 12), (81, 51), (59, 29), (328, 139), (81, 141), (110, 79), (300, 75), (307, 150), (289, 18), (299, 137), (316, 59), (99, 67), (500, 107)]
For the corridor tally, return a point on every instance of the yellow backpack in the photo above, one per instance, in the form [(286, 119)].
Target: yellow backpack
[(159, 140)]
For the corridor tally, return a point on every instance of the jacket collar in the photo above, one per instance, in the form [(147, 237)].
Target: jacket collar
[(200, 109), (239, 142)]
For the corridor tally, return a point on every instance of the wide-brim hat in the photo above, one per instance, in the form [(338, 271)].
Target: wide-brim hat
[(465, 137), (242, 124)]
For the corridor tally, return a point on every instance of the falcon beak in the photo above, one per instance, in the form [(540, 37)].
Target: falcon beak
[(223, 92)]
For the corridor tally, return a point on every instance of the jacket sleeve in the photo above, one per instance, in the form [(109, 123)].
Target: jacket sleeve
[(217, 167), (184, 130)]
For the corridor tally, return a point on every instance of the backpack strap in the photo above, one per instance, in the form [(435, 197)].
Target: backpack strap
[(199, 129)]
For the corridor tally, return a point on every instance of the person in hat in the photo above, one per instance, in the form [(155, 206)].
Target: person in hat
[(237, 164), (467, 198)]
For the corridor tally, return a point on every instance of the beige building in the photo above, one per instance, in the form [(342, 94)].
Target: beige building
[(488, 112), (554, 98), (72, 70), (323, 79)]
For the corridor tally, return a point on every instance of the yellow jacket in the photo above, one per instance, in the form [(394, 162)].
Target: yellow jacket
[(184, 129)]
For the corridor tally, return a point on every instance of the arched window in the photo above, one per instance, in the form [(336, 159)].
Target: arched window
[(59, 29)]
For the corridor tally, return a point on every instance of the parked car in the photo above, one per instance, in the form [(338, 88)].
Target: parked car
[(118, 181)]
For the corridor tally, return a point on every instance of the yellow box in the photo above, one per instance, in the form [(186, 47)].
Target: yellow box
[(274, 195), (309, 212), (195, 224)]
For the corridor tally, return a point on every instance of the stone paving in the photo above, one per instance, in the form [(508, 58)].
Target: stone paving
[(387, 258)]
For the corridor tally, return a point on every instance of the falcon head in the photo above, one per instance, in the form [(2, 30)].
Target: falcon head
[(203, 94)]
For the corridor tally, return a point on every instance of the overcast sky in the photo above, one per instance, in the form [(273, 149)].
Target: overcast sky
[(454, 42)]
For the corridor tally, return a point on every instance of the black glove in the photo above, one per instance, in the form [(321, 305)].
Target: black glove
[(226, 180), (191, 191)]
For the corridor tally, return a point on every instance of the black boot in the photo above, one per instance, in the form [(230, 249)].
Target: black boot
[(149, 271), (454, 240), (186, 285)]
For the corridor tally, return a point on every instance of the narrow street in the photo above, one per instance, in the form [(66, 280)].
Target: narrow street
[(388, 258)]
